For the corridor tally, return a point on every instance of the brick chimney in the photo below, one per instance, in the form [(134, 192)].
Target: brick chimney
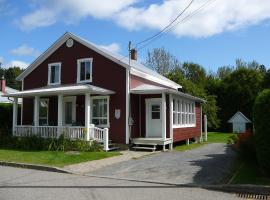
[(3, 84), (133, 54)]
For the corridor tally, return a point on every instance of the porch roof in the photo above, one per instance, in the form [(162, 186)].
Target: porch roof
[(74, 89), (152, 89)]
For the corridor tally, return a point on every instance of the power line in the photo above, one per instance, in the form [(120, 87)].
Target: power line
[(164, 29), (185, 19)]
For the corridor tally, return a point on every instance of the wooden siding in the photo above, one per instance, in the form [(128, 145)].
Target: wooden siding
[(106, 74)]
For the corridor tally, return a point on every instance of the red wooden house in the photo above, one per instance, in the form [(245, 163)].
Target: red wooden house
[(86, 92)]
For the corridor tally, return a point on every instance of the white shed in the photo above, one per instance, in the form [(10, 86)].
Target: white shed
[(239, 121)]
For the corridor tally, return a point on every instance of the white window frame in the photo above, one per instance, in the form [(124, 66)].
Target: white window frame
[(108, 110), (49, 73), (186, 110), (79, 61), (47, 117)]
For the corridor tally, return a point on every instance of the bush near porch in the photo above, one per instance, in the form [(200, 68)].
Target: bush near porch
[(35, 143), (5, 118)]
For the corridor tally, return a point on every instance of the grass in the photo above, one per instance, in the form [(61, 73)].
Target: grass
[(248, 173), (52, 158), (213, 137)]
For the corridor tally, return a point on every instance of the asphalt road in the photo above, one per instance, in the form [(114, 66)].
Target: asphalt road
[(209, 164), (25, 184)]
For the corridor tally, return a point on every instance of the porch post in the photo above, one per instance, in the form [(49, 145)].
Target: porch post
[(87, 115), (15, 114), (171, 121), (36, 111), (60, 114), (163, 109)]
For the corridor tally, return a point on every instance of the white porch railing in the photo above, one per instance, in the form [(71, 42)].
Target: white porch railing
[(73, 132)]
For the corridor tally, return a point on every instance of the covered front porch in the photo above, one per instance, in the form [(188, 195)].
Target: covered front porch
[(64, 110), (151, 114)]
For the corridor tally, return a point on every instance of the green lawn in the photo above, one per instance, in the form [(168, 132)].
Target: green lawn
[(247, 173), (213, 137), (52, 158)]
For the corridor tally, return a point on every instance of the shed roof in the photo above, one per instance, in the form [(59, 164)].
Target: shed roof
[(239, 117)]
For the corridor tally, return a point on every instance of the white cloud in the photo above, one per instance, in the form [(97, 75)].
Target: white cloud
[(219, 16), (13, 63), (215, 18), (48, 12), (113, 47), (25, 50)]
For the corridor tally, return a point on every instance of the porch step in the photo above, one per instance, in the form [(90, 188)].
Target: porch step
[(143, 146)]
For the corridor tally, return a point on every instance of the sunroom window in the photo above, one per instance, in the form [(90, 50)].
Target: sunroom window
[(183, 113), (84, 70), (100, 114), (54, 73), (43, 112)]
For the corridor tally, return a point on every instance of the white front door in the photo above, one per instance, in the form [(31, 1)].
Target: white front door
[(69, 110), (153, 118)]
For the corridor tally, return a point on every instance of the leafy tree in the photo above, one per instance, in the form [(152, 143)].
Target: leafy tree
[(10, 75), (161, 61), (224, 71), (262, 124)]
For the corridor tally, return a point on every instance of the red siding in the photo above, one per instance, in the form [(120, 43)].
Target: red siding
[(180, 134), (106, 74)]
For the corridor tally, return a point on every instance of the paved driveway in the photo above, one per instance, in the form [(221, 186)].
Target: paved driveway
[(209, 164)]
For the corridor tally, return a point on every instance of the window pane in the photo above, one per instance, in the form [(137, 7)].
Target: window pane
[(43, 112), (56, 78), (174, 118), (68, 113), (82, 78), (87, 70), (100, 111), (52, 74)]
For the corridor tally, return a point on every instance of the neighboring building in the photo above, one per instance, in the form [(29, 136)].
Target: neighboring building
[(81, 88), (239, 122), (5, 90)]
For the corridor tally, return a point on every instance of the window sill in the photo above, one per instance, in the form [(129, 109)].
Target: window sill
[(86, 81), (54, 83), (184, 126)]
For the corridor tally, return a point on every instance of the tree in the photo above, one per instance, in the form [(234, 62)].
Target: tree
[(10, 75), (262, 124), (161, 61), (224, 71)]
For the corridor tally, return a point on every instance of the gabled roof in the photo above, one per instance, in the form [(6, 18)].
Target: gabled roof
[(4, 99), (239, 117), (135, 68), (152, 89)]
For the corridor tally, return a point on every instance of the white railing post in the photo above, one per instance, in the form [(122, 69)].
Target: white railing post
[(91, 131), (15, 115), (106, 139)]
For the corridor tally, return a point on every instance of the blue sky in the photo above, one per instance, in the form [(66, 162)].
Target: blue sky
[(223, 31)]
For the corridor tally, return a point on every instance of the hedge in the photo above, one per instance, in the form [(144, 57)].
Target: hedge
[(5, 118), (261, 111)]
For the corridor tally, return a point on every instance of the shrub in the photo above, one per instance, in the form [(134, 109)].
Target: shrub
[(261, 112), (232, 139), (5, 118), (246, 147), (36, 143)]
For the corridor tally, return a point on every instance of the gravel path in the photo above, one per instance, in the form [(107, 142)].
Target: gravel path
[(209, 164)]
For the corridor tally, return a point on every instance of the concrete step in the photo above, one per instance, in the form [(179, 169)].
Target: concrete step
[(144, 148)]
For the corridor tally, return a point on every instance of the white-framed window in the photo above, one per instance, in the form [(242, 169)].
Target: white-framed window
[(43, 112), (84, 70), (54, 73), (100, 111), (183, 113)]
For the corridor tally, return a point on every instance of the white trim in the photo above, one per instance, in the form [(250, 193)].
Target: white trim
[(171, 116), (127, 104), (108, 110), (79, 61), (15, 114), (88, 108), (71, 99), (47, 117), (163, 108), (147, 113), (22, 104), (36, 111), (49, 73), (60, 111)]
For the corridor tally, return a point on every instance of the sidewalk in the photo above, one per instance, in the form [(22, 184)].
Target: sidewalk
[(90, 166)]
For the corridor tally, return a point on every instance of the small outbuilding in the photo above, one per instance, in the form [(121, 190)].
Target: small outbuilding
[(239, 122)]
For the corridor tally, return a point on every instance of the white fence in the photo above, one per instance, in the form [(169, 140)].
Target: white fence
[(73, 132)]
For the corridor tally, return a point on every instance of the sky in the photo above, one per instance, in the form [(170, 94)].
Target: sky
[(213, 36)]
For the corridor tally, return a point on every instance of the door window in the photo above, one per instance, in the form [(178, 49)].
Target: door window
[(68, 113), (155, 111)]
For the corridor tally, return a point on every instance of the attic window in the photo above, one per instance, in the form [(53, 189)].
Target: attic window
[(84, 70), (54, 73)]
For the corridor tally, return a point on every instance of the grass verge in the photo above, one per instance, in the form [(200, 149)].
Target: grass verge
[(52, 158)]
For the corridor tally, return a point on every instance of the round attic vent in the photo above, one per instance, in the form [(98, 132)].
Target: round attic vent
[(69, 42)]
